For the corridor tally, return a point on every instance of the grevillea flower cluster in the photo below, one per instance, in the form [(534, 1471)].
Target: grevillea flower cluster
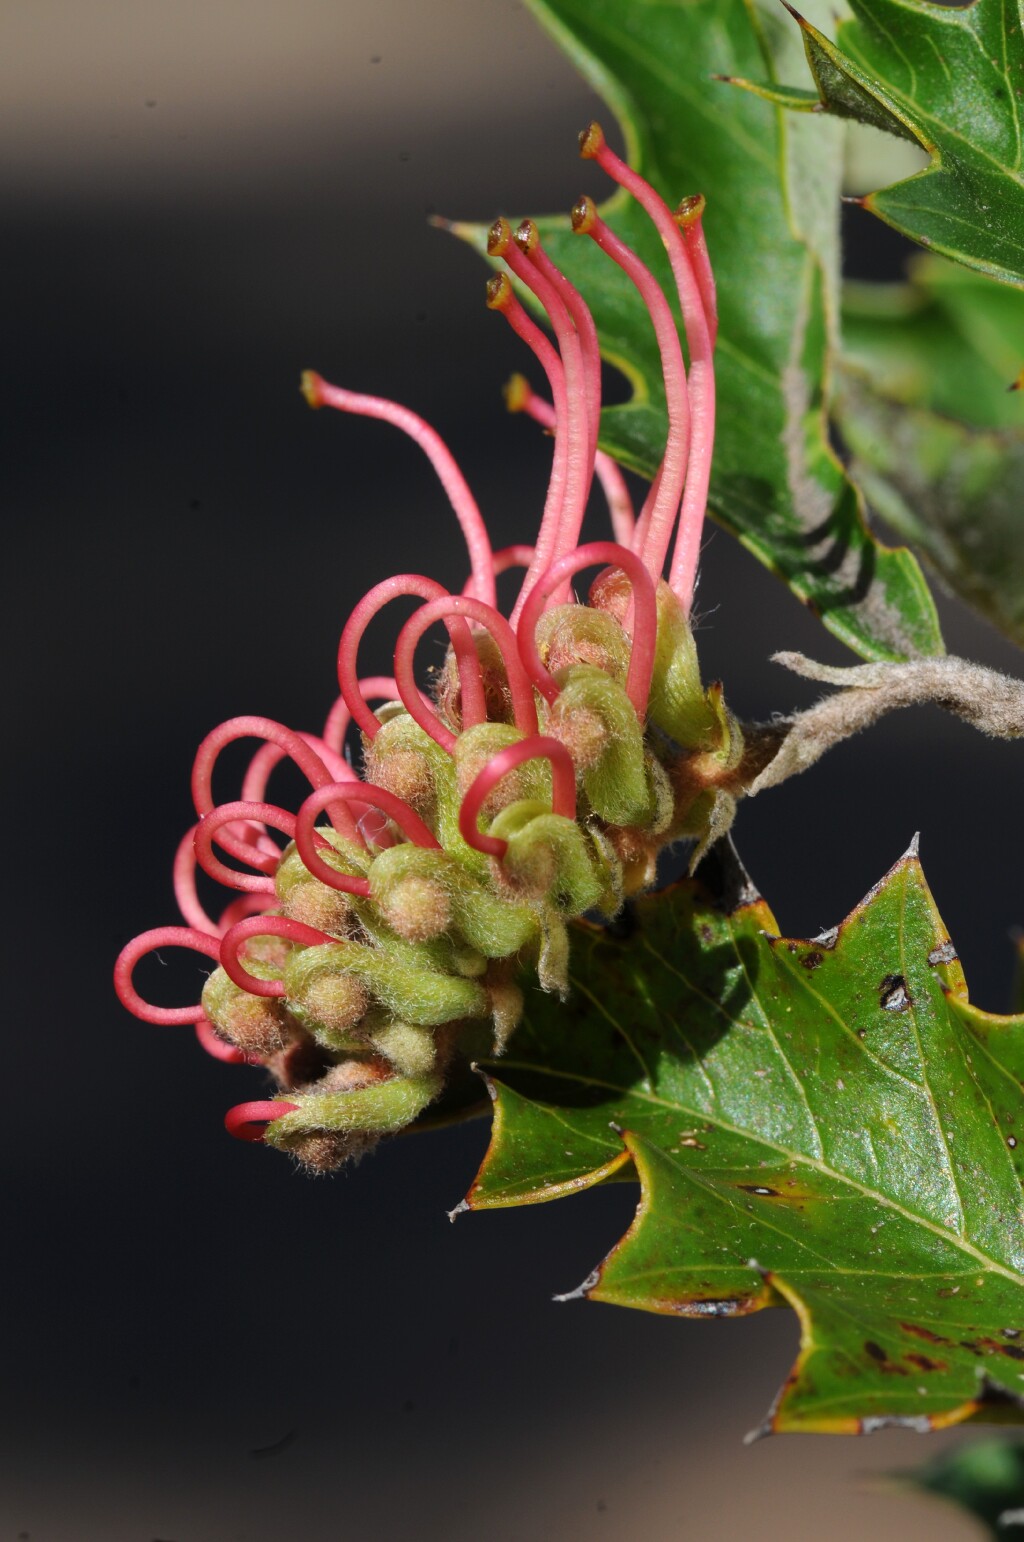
[(557, 752)]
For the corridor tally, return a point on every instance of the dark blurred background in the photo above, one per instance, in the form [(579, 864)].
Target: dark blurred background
[(199, 200)]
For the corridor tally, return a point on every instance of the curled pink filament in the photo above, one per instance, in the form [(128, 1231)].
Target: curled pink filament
[(319, 393), (184, 880), (523, 708), (264, 926), (537, 747), (407, 820), (248, 1121), (149, 942), (292, 744), (227, 813), (512, 557), (470, 679), (371, 688), (645, 623), (241, 906)]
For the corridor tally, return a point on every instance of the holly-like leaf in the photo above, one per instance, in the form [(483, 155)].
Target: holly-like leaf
[(823, 1123), (937, 437), (772, 185), (951, 78)]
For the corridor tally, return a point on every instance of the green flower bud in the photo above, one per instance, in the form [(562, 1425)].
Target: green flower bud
[(677, 701), (258, 1025), (597, 723), (332, 1005), (412, 1051), (407, 762), (378, 1108), (420, 996), (570, 635), (549, 858)]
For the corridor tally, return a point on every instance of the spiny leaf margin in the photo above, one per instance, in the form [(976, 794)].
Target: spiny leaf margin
[(951, 78), (710, 1053)]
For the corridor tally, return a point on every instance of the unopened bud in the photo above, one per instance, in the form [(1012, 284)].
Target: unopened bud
[(333, 1004), (405, 761), (412, 1051), (362, 1112), (314, 904), (497, 697), (578, 634), (418, 909), (258, 1025), (549, 859)]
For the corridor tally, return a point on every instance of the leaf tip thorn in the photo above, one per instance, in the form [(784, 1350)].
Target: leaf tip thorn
[(582, 1291), (460, 1209)]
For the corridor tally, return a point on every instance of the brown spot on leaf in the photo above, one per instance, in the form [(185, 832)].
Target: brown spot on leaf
[(923, 1363), (924, 1333), (812, 960), (875, 1350), (759, 1188)]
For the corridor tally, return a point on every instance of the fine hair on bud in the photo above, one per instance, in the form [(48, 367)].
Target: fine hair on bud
[(576, 634), (313, 904), (321, 1152), (257, 1025), (336, 1002), (418, 908), (401, 759)]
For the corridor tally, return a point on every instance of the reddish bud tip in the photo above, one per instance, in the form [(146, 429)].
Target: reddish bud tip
[(583, 215), (517, 393), (312, 388), (689, 210), (498, 238), (527, 237), (499, 292), (591, 141)]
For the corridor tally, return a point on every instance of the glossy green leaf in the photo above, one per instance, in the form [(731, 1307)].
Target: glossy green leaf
[(937, 437), (823, 1123), (772, 183), (951, 78)]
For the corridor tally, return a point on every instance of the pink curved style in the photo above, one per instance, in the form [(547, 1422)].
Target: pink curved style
[(537, 747)]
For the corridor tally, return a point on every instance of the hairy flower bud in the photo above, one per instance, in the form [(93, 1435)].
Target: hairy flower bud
[(258, 1026)]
